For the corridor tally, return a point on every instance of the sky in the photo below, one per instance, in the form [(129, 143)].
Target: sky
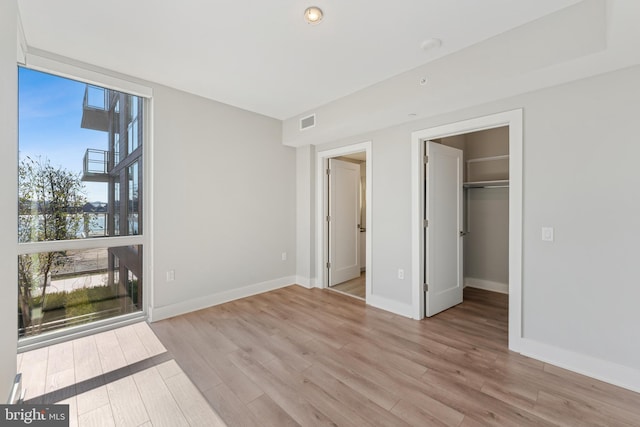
[(50, 112)]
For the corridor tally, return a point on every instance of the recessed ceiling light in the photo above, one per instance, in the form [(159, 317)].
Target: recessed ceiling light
[(431, 44), (313, 15)]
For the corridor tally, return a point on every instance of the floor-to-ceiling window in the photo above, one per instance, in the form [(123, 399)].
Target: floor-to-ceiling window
[(80, 224)]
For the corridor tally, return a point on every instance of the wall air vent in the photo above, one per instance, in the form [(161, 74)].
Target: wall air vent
[(307, 122)]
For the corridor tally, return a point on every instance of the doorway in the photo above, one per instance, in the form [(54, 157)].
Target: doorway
[(343, 229), (476, 238), (346, 234), (512, 120)]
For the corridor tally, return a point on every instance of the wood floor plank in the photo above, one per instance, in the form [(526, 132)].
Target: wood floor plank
[(346, 395), (92, 400), (148, 339), (193, 405), (229, 407), (73, 411), (296, 356), (86, 358), (101, 417), (355, 287), (126, 403), (110, 352), (269, 413), (287, 397), (414, 415), (132, 348), (161, 406), (191, 360), (34, 372)]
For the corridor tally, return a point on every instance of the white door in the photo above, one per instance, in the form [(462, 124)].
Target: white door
[(443, 237), (344, 218)]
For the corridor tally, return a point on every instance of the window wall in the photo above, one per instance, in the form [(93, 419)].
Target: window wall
[(80, 222)]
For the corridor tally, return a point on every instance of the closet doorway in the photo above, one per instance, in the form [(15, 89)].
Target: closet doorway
[(472, 172), (479, 230)]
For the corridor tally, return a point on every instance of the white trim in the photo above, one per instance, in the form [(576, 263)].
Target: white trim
[(513, 119), (599, 369), (207, 301), (304, 281), (78, 244), (62, 69), (22, 42), (487, 285), (321, 180), (62, 335), (147, 208), (393, 306)]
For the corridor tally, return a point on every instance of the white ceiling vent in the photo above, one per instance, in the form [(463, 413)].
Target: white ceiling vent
[(307, 122)]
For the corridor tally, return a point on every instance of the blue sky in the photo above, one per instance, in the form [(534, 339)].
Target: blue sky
[(50, 111)]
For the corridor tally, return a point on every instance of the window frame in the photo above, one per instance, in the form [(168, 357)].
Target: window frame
[(106, 79)]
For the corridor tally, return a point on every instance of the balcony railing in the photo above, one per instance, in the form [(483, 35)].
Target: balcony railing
[(95, 108), (95, 165)]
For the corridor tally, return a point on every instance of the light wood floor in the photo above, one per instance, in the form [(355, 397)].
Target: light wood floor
[(355, 287), (315, 357), (123, 377)]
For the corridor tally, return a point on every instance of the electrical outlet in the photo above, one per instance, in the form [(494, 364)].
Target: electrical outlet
[(284, 256), (171, 275), (400, 274)]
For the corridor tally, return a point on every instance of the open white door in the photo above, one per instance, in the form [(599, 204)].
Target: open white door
[(344, 216), (443, 237)]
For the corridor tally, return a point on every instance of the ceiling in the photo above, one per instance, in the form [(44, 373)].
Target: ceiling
[(261, 56)]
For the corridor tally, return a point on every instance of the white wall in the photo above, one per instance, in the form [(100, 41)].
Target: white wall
[(304, 231), (580, 176), (8, 192), (224, 203)]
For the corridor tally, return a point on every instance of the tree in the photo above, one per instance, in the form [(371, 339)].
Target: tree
[(50, 208)]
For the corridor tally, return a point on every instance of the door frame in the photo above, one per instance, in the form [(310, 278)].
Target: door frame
[(322, 160), (514, 120)]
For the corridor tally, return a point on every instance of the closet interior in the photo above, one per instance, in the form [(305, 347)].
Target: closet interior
[(486, 207)]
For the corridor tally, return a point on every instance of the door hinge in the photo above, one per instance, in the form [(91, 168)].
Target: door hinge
[(426, 159), (425, 287), (425, 223), (328, 171), (328, 218), (328, 265)]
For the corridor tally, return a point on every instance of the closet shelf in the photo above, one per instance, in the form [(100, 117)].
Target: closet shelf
[(487, 184)]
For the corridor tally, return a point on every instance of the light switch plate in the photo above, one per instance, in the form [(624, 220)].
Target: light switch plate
[(547, 234)]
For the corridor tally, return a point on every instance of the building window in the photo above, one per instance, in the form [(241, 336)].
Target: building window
[(79, 159)]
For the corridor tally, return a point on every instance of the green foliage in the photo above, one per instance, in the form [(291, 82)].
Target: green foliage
[(102, 300), (51, 201), (78, 303), (50, 208), (58, 300)]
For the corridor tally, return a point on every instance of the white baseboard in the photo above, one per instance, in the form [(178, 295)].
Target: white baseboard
[(613, 373), (304, 281), (194, 304), (487, 285), (386, 304)]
